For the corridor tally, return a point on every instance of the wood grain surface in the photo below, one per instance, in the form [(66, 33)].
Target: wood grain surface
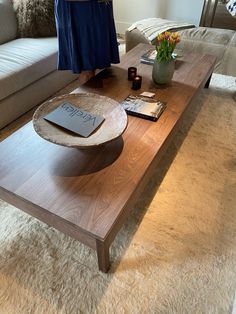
[(85, 194)]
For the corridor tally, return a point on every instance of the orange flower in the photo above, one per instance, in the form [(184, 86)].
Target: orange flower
[(167, 35)]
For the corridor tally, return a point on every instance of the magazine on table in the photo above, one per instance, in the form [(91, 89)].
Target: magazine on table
[(143, 107), (149, 56)]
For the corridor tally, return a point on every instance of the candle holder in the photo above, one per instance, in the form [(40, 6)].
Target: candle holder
[(132, 72), (137, 82)]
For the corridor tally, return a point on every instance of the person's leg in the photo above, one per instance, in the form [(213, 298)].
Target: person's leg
[(84, 76)]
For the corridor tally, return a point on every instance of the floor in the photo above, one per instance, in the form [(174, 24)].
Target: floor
[(121, 39)]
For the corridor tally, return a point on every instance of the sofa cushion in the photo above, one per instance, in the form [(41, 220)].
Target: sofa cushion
[(208, 35), (8, 24), (35, 18), (24, 61), (19, 103), (207, 40)]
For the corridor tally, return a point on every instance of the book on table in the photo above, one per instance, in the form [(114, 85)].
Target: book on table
[(143, 107), (149, 56), (75, 119)]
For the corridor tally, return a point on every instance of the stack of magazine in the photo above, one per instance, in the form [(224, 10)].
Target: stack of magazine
[(148, 57), (143, 107)]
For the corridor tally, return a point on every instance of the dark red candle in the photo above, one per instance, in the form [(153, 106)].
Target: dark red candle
[(137, 82), (132, 71)]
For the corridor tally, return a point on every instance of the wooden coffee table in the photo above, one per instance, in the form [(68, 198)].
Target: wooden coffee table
[(88, 194)]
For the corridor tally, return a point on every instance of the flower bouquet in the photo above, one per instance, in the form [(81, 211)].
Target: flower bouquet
[(164, 66), (166, 43)]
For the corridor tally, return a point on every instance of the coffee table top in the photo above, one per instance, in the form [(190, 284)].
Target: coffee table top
[(91, 190)]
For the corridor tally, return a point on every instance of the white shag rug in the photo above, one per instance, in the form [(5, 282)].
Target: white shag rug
[(175, 254)]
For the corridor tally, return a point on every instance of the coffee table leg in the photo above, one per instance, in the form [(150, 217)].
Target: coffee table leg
[(208, 82), (103, 256)]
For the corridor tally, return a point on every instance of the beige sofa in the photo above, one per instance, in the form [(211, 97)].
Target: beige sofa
[(28, 72), (220, 42)]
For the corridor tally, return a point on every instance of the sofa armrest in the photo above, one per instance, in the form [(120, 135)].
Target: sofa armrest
[(133, 38)]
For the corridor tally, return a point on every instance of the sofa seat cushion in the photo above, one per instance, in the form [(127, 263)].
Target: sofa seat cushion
[(24, 61)]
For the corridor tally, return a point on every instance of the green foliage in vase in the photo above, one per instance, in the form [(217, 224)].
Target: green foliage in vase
[(166, 43)]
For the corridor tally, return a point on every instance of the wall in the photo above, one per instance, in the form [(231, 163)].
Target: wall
[(128, 11)]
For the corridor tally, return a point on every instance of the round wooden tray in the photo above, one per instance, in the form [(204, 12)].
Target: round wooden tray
[(113, 126)]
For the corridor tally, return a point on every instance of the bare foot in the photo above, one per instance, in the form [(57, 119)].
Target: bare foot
[(85, 76)]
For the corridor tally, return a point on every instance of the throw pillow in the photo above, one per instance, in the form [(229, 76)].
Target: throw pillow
[(35, 18)]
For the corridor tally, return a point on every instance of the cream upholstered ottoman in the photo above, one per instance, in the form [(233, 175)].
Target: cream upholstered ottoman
[(220, 42)]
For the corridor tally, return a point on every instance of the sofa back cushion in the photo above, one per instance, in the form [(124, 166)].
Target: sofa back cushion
[(8, 23)]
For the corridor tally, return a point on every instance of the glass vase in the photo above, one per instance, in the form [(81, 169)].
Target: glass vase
[(162, 72)]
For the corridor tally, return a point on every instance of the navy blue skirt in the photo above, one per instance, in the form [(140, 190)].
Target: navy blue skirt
[(86, 35)]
